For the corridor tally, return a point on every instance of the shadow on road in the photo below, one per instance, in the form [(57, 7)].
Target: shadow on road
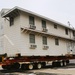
[(4, 72)]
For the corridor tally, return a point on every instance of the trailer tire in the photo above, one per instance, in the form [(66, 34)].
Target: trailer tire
[(23, 66), (8, 67), (65, 63), (61, 64), (4, 66), (39, 65), (53, 64), (30, 66), (58, 64), (15, 66)]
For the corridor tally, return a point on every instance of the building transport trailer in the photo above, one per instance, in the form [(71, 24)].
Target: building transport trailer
[(34, 62)]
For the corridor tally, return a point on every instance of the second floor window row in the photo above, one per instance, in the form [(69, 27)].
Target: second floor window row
[(73, 33), (31, 20), (55, 26), (43, 24), (66, 31)]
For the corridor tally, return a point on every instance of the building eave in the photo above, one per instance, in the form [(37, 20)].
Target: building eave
[(38, 32)]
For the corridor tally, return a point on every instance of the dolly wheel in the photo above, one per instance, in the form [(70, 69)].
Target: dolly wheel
[(65, 63), (23, 66), (61, 64), (16, 65), (39, 65), (54, 64), (30, 66), (9, 67), (4, 66)]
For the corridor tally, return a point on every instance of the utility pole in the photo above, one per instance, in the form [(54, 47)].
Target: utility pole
[(69, 24)]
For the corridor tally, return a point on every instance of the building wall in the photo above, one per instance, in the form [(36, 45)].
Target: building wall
[(53, 49), (1, 34), (12, 39), (18, 42), (50, 26)]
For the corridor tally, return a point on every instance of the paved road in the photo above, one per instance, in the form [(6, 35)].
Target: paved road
[(68, 70)]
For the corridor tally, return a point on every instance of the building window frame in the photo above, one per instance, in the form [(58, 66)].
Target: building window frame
[(43, 24), (55, 26), (73, 33), (56, 41), (11, 21), (44, 40), (66, 31), (32, 38), (31, 20)]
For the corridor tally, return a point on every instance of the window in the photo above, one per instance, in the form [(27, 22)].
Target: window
[(32, 38), (66, 31), (56, 41), (55, 26), (43, 24), (73, 33), (31, 20), (11, 21), (44, 40)]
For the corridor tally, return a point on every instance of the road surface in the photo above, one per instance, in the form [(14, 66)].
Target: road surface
[(68, 70)]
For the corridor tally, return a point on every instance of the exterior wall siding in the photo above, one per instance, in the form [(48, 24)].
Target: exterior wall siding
[(13, 34), (52, 50), (50, 26), (1, 33), (20, 41)]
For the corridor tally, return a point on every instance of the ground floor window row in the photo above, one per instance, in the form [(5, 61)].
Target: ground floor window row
[(44, 39)]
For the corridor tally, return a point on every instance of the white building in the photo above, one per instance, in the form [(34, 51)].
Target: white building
[(25, 32)]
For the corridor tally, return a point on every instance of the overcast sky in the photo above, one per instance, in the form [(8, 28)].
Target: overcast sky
[(59, 10)]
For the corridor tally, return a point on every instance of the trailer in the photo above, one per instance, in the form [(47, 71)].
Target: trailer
[(34, 62)]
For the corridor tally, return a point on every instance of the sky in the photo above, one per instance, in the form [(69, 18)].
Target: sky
[(59, 10)]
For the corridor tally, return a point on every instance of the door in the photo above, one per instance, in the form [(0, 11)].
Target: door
[(71, 47)]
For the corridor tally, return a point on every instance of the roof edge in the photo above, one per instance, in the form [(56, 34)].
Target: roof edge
[(30, 12)]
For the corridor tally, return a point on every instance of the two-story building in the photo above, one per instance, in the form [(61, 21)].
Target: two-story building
[(28, 33)]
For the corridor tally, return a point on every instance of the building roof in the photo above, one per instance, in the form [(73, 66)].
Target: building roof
[(3, 11), (16, 8)]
